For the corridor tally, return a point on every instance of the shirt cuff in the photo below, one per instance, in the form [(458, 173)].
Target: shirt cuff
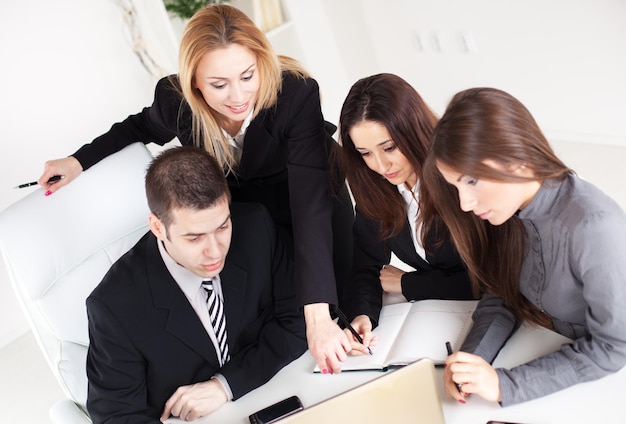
[(225, 385)]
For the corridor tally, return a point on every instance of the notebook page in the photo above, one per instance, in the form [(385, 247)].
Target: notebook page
[(427, 328), (389, 325)]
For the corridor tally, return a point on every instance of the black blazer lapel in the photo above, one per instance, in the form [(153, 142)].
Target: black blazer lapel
[(257, 145), (402, 245), (233, 279), (182, 322)]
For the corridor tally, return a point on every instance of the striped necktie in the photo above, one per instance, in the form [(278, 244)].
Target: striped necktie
[(218, 319)]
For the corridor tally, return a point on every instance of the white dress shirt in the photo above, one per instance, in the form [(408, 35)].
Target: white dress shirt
[(237, 141), (411, 198), (191, 286)]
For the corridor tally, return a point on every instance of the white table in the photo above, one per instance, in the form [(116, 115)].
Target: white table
[(594, 402)]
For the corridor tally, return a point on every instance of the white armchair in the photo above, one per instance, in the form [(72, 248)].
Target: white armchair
[(58, 248)]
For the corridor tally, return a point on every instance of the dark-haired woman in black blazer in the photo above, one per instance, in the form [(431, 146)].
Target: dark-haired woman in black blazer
[(385, 129)]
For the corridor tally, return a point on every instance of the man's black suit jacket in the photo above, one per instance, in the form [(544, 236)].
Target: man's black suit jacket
[(441, 276), (146, 340), (284, 166)]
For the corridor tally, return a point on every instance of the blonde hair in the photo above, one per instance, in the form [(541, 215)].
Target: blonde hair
[(219, 26)]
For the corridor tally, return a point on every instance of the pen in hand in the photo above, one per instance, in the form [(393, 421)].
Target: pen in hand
[(449, 349), (344, 320), (50, 180)]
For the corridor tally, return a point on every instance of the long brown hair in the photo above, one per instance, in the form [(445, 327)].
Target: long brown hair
[(219, 26), (392, 102), (483, 124)]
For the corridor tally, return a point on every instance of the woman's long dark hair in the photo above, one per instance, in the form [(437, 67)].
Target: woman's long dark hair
[(392, 102), (488, 124)]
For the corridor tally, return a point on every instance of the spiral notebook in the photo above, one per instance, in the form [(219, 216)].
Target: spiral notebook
[(411, 331)]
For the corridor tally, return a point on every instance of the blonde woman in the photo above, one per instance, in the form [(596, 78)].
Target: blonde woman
[(259, 115)]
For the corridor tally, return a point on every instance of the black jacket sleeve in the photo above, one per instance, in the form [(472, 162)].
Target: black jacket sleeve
[(168, 117)]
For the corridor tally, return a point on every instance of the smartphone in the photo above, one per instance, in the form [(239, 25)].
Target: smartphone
[(277, 411)]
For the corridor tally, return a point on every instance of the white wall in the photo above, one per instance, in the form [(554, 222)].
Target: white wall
[(320, 51), (67, 73), (565, 59)]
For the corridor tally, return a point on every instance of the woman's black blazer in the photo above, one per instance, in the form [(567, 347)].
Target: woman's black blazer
[(441, 276), (284, 166)]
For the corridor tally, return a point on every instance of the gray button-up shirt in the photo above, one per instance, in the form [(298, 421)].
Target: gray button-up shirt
[(575, 271)]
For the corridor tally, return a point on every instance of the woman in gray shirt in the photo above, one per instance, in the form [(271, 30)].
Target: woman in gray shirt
[(543, 245)]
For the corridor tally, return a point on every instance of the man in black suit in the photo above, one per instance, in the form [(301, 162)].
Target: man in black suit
[(153, 351)]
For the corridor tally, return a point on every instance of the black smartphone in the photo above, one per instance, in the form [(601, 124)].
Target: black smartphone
[(275, 412)]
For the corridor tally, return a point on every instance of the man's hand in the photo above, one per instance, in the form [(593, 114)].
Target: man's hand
[(194, 401), (327, 343)]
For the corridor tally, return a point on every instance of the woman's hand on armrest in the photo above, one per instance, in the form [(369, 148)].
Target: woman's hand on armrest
[(69, 168)]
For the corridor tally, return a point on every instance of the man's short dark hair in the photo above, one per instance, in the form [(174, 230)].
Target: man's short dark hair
[(184, 177)]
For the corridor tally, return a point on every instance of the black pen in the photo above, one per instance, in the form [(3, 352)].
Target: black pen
[(344, 319), (51, 180), (449, 349)]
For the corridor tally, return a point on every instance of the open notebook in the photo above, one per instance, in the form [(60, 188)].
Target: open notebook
[(404, 395), (411, 331)]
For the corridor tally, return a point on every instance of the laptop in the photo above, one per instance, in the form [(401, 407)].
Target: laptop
[(404, 395)]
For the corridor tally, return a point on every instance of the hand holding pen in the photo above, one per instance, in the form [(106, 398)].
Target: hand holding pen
[(458, 386), (68, 168), (51, 180), (344, 320), (476, 376)]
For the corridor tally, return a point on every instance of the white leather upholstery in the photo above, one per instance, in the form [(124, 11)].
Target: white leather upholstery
[(58, 248)]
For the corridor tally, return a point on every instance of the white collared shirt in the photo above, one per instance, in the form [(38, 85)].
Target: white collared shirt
[(411, 198), (237, 141), (191, 286)]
